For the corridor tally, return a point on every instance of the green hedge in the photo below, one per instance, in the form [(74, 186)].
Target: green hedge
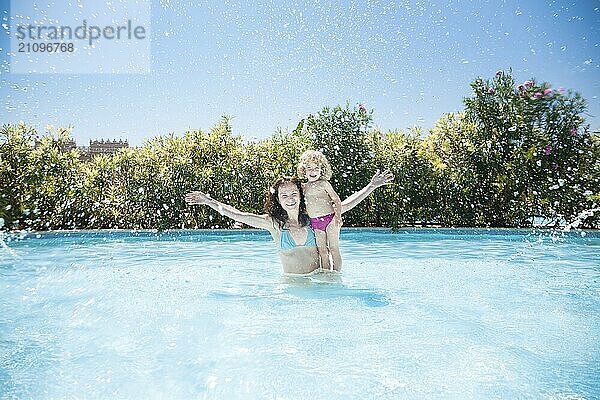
[(515, 152)]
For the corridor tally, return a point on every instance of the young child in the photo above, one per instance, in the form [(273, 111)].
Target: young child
[(323, 206)]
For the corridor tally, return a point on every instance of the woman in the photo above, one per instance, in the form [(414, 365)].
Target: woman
[(287, 221)]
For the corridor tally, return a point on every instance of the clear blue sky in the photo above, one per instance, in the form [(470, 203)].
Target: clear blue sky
[(267, 63)]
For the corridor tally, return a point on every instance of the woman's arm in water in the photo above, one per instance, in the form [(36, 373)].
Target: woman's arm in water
[(257, 221), (379, 179)]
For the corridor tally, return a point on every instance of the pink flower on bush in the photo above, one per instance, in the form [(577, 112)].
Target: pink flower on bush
[(521, 87), (362, 108), (573, 131), (547, 91), (547, 150), (537, 95), (528, 83), (491, 90), (498, 73)]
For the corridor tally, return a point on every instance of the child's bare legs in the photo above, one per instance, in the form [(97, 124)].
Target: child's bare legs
[(321, 238), (333, 241)]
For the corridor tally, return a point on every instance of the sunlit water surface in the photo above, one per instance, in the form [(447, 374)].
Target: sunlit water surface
[(417, 314)]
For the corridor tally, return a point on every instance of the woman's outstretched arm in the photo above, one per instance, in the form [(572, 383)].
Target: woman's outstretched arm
[(263, 221), (379, 179)]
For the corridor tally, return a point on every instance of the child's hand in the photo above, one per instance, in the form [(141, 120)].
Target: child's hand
[(196, 198), (382, 178)]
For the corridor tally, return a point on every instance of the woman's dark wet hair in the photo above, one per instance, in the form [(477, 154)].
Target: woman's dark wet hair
[(273, 207)]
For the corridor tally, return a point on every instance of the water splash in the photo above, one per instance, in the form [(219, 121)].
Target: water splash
[(580, 218), (3, 243)]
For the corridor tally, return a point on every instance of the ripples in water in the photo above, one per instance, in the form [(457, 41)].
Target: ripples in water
[(411, 316)]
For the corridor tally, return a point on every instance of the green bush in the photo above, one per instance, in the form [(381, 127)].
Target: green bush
[(39, 178), (516, 152), (410, 200)]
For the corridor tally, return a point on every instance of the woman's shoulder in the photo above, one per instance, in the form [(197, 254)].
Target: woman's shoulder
[(275, 226)]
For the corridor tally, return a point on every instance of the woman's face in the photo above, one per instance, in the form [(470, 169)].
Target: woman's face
[(313, 172), (289, 196)]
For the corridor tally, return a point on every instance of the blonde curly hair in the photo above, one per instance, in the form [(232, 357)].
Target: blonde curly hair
[(314, 157)]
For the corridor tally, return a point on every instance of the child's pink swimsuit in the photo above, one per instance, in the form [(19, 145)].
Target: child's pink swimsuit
[(321, 223)]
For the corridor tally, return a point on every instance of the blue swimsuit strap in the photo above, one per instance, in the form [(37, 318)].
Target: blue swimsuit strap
[(287, 242)]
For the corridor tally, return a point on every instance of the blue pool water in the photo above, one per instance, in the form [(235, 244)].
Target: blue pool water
[(465, 314)]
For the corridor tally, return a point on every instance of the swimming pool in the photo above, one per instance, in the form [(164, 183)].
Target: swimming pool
[(421, 313)]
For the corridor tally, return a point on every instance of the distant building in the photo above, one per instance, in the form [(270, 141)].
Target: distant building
[(106, 147), (101, 146), (64, 146), (69, 145)]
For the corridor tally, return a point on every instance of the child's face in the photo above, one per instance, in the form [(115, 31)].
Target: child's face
[(313, 172)]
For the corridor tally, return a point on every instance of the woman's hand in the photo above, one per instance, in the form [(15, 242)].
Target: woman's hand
[(382, 178), (197, 198)]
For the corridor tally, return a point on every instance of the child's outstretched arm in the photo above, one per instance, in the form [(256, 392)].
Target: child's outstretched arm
[(379, 179), (337, 203)]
